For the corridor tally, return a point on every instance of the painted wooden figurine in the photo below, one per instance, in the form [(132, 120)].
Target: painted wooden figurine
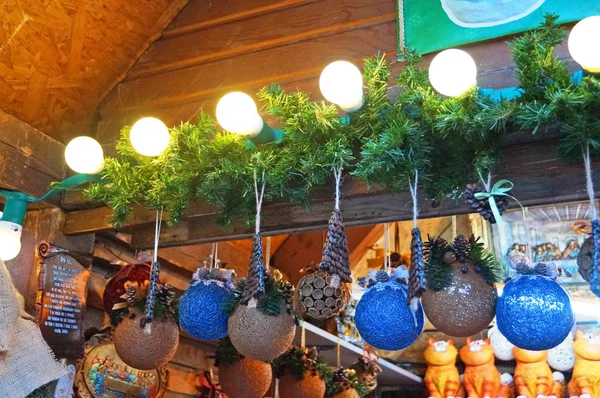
[(482, 379), (441, 379), (533, 376), (585, 382)]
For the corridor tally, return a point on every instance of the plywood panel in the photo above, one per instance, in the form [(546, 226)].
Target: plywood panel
[(58, 59)]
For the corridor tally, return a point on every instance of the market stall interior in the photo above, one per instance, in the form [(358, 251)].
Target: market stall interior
[(299, 198)]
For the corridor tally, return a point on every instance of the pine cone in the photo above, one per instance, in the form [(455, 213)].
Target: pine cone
[(483, 206), (416, 279), (336, 259), (131, 295), (255, 281), (461, 248), (382, 276), (541, 269), (523, 269)]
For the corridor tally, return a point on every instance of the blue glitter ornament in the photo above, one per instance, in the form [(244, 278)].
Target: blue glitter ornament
[(534, 312), (385, 321), (201, 310)]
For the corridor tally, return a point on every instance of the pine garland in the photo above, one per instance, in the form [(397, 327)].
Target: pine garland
[(226, 354), (448, 140), (166, 305)]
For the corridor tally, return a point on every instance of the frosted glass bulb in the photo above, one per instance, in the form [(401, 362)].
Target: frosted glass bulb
[(453, 72), (84, 155), (584, 43), (341, 83), (10, 240), (237, 113), (149, 136)]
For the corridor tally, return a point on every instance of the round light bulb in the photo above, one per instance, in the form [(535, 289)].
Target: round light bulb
[(10, 240), (84, 155), (149, 136), (453, 72), (584, 43), (341, 83), (237, 113)]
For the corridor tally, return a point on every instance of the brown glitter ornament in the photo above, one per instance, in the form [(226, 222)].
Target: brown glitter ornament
[(318, 299), (367, 371), (465, 307), (311, 386), (350, 393), (141, 351), (259, 336), (247, 378)]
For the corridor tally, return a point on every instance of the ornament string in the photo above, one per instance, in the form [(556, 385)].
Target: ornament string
[(268, 254), (338, 184), (149, 310), (212, 257), (413, 192), (259, 199), (386, 249), (338, 353), (595, 283)]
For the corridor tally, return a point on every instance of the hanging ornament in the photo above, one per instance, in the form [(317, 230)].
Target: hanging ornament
[(534, 311), (262, 325), (416, 281), (300, 373), (142, 340), (460, 299), (324, 293), (503, 349), (202, 306), (345, 384), (137, 275), (481, 201), (562, 357), (367, 370), (240, 376), (383, 316)]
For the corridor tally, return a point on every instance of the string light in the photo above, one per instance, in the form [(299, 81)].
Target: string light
[(84, 155), (237, 113), (341, 83), (149, 136), (453, 72), (584, 43)]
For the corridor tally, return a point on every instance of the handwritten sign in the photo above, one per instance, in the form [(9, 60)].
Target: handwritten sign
[(61, 300)]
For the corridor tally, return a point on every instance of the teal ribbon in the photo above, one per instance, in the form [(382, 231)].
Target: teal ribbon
[(501, 188)]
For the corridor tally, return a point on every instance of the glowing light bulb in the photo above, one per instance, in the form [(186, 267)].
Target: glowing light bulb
[(584, 43), (237, 113), (149, 136), (453, 72), (341, 83), (84, 155), (10, 240)]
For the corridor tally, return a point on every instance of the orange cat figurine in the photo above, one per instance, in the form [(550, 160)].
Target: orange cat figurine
[(533, 376), (441, 379), (482, 379), (585, 382)]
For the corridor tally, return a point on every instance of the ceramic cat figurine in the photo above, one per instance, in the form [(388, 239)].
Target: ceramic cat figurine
[(482, 379), (441, 379), (533, 376), (585, 382)]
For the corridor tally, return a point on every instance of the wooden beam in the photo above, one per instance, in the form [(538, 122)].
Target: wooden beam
[(29, 160)]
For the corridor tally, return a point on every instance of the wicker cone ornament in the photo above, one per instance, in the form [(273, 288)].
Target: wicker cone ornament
[(247, 378), (311, 386), (142, 351)]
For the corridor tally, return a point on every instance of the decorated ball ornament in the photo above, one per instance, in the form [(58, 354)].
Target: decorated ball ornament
[(345, 384), (460, 299), (318, 299), (585, 261), (503, 349), (137, 275), (383, 317), (240, 376), (299, 373), (202, 306), (145, 351), (367, 370), (534, 312), (562, 357)]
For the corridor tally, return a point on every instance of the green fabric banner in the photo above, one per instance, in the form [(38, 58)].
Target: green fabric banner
[(431, 25)]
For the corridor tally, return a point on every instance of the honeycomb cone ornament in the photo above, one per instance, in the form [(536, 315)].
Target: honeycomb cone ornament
[(247, 378), (324, 293), (311, 386), (318, 299), (141, 351)]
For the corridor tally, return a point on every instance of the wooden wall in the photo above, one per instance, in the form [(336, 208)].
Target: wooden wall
[(215, 47)]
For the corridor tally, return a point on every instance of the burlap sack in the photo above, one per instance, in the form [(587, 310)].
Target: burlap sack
[(9, 307), (26, 361)]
